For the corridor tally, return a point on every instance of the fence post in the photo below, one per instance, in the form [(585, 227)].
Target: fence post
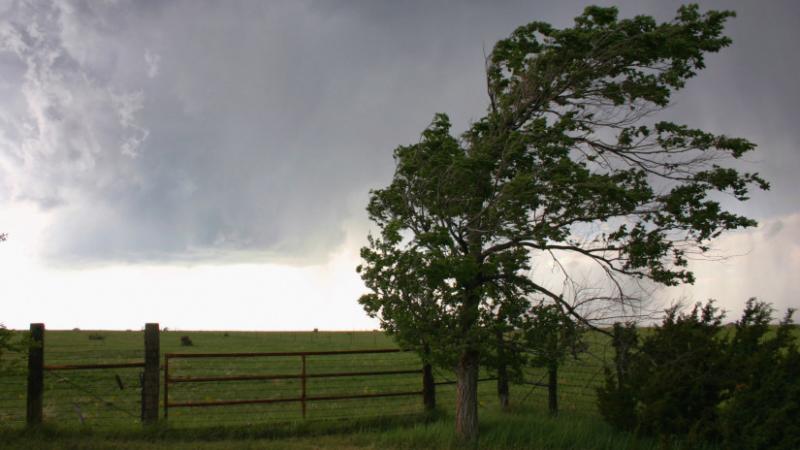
[(35, 375), (152, 373), (428, 388), (303, 384)]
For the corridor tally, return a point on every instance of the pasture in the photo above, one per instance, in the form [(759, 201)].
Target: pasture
[(104, 404)]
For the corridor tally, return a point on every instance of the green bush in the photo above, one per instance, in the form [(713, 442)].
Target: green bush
[(6, 344), (691, 380), (764, 406), (616, 402), (13, 348)]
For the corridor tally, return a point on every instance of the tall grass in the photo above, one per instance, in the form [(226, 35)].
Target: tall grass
[(524, 427)]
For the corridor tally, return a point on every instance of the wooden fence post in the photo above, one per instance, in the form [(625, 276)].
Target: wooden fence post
[(35, 374), (303, 384), (152, 373), (428, 388)]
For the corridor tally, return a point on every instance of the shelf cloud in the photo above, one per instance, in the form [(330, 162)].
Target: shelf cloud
[(162, 132)]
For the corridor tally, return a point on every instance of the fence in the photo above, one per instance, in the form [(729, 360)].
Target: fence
[(40, 375), (303, 376), (121, 381), (149, 379)]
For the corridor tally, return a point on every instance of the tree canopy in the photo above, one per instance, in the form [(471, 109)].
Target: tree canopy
[(570, 159)]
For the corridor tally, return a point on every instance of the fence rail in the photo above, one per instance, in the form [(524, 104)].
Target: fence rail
[(93, 366), (303, 398), (276, 354)]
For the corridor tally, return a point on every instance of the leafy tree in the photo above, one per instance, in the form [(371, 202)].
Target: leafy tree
[(550, 336), (567, 161)]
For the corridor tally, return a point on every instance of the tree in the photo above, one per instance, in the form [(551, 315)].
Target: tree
[(567, 161), (551, 335)]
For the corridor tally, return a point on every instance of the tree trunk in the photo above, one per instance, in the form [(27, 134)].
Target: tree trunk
[(502, 372), (552, 388), (467, 396), (502, 386)]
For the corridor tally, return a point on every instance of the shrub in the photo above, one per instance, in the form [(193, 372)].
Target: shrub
[(765, 402), (7, 345), (691, 380), (615, 399), (674, 381), (186, 341)]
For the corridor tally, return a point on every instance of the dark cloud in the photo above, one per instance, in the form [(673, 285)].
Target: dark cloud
[(166, 131)]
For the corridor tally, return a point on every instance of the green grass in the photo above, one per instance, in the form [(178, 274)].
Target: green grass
[(109, 398), (88, 409), (525, 427)]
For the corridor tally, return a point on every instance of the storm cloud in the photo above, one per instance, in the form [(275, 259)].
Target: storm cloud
[(228, 131)]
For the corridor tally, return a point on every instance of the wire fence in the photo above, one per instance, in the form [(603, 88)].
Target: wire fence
[(112, 397)]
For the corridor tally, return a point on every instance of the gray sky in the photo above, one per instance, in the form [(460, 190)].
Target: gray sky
[(215, 133)]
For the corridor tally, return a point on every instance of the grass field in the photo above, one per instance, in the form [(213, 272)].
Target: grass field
[(525, 427), (96, 407)]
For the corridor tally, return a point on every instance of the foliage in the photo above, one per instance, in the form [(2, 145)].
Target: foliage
[(567, 146), (690, 379), (5, 333), (5, 341), (551, 335), (186, 341), (681, 374), (13, 347), (765, 403), (615, 399)]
